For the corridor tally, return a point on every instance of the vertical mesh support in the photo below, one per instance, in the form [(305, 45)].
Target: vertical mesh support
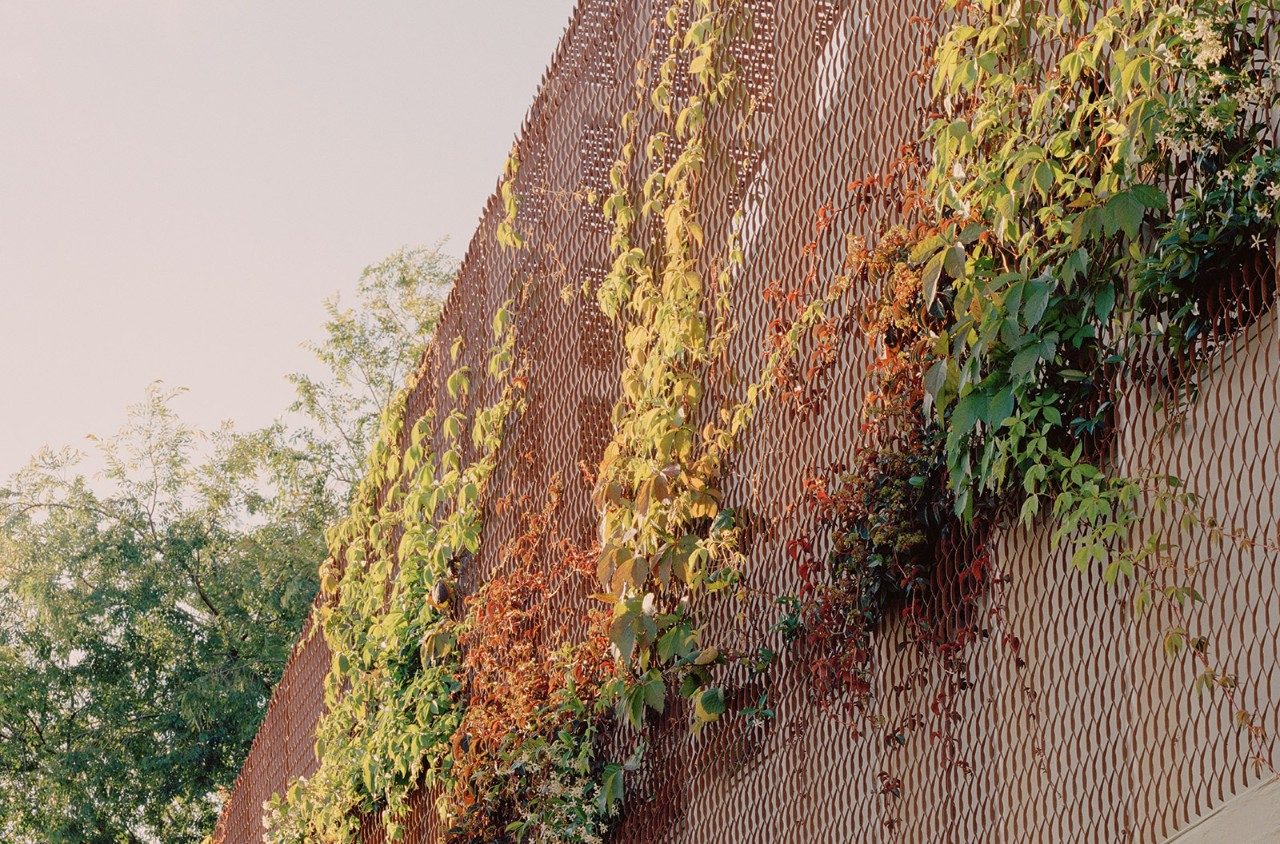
[(1098, 738)]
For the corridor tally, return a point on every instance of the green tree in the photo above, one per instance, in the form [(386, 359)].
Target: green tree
[(368, 352), (146, 614)]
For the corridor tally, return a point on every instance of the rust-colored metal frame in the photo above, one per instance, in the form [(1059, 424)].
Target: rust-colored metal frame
[(1099, 738)]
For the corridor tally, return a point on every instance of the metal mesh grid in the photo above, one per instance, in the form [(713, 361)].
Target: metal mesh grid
[(1099, 737)]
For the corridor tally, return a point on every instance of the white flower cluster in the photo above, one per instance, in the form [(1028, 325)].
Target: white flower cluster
[(1204, 37), (564, 805), (1219, 92)]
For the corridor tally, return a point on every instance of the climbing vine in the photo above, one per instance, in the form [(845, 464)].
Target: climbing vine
[(1215, 140), (525, 752), (886, 510), (667, 533), (1079, 211), (1060, 216), (480, 706), (392, 694), (1072, 173)]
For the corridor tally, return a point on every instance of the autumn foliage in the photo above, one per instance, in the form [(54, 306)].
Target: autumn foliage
[(526, 674)]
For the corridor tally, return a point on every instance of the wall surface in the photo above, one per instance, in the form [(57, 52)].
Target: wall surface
[(1100, 737), (1251, 817)]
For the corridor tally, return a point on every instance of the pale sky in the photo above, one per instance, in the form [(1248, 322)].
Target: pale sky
[(183, 183)]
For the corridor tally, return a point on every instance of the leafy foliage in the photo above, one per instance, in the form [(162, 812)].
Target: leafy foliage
[(146, 612), (392, 694), (888, 510), (1215, 137), (1071, 212), (666, 530), (418, 696), (368, 352), (525, 754), (1048, 254), (146, 621), (1047, 163)]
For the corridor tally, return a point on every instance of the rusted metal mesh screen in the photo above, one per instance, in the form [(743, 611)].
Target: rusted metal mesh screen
[(1099, 738)]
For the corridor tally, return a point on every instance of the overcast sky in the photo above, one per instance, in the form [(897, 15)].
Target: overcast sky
[(183, 183)]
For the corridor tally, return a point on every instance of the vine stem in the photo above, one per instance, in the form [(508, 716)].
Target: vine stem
[(1259, 744)]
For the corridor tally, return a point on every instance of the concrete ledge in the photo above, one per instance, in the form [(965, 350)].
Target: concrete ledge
[(1251, 817)]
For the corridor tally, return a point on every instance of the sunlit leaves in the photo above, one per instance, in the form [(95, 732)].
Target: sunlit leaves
[(392, 705), (665, 525), (506, 233)]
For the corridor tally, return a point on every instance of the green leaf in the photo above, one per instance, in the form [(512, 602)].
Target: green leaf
[(1128, 213), (1104, 301), (1044, 178), (1035, 302), (611, 790), (724, 520), (1006, 206), (929, 279), (935, 377), (501, 319), (926, 247), (1138, 67), (453, 425), (655, 692), (709, 704), (1025, 361), (967, 412), (458, 382), (999, 407), (953, 261), (622, 634), (1075, 265), (1030, 507), (635, 705), (674, 643), (1150, 196)]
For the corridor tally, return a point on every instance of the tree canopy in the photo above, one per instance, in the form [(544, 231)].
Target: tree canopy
[(147, 609)]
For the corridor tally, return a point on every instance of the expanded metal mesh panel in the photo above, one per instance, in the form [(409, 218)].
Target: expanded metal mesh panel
[(1098, 738)]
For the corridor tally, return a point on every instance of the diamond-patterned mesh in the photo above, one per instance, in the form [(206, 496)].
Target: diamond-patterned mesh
[(1099, 738)]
